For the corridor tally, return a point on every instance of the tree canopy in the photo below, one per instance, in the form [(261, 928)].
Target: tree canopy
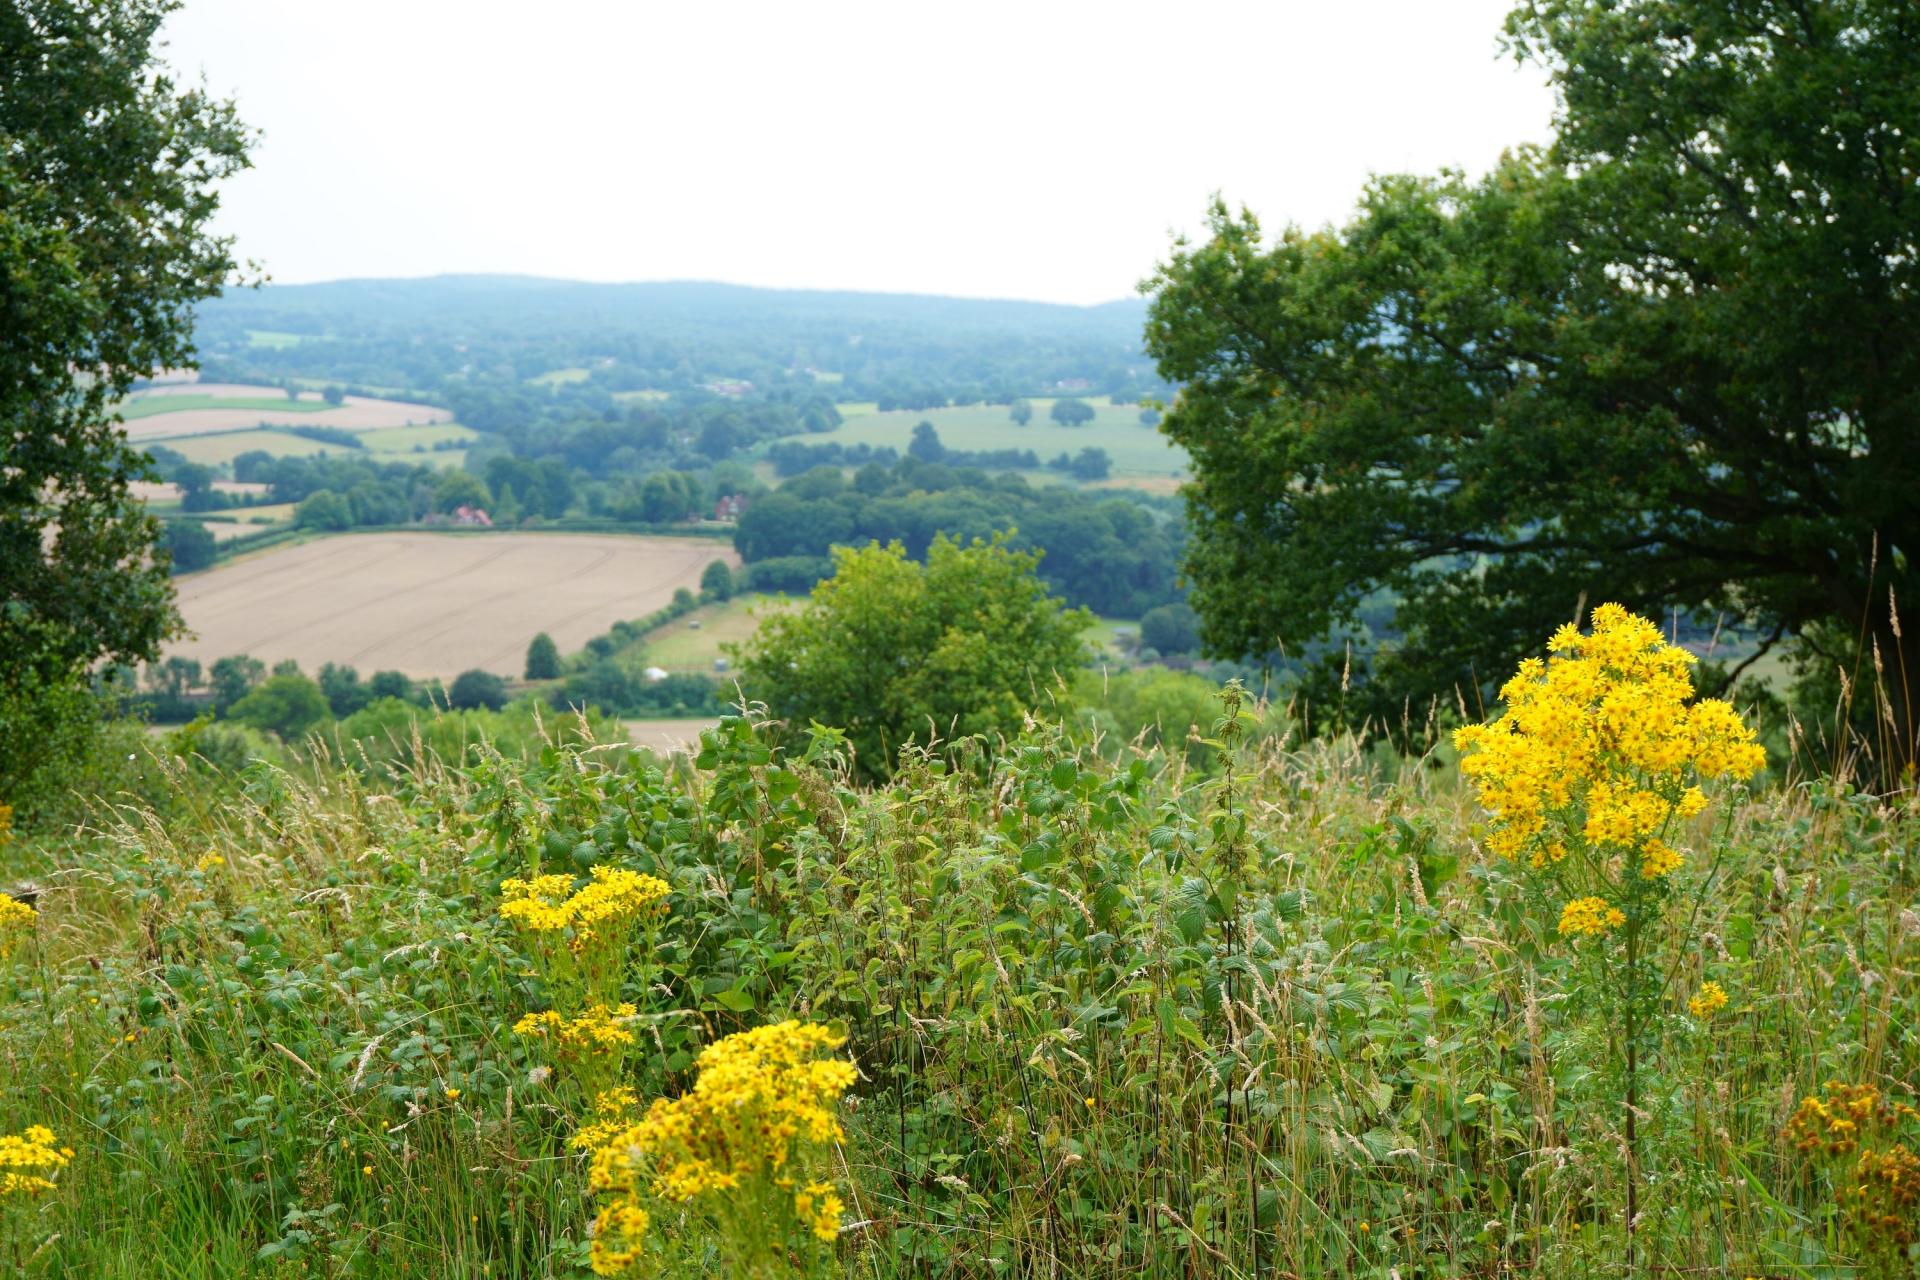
[(1673, 360), (896, 652), (107, 171)]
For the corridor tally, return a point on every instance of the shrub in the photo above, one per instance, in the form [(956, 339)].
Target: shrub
[(895, 652), (287, 705), (716, 582), (475, 689), (543, 658)]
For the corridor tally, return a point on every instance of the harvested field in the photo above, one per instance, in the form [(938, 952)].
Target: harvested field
[(433, 604), (667, 736), (149, 417)]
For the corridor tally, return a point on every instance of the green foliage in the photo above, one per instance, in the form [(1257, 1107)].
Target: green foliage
[(543, 657), (456, 489), (475, 689), (1114, 553), (232, 677), (1643, 365), (1020, 412), (1154, 707), (106, 176), (188, 544), (716, 581), (896, 652), (324, 511), (288, 705), (1069, 412), (390, 737), (1113, 1016), (1171, 628)]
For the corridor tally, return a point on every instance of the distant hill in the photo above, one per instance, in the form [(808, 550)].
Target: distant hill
[(514, 301), (424, 334)]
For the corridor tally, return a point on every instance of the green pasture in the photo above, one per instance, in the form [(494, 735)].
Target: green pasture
[(1136, 450), (272, 339), (150, 406)]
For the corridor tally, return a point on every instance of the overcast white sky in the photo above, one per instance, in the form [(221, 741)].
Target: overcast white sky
[(1041, 149)]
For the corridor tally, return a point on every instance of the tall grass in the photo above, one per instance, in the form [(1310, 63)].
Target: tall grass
[(1274, 1016)]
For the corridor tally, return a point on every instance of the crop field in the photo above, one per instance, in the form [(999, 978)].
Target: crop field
[(667, 735), (392, 444), (1138, 452), (196, 408), (432, 604), (224, 446)]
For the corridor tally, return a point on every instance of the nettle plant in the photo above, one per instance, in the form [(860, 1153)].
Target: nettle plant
[(1593, 775)]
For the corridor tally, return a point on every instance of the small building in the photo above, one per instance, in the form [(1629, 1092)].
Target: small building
[(730, 507), (468, 517)]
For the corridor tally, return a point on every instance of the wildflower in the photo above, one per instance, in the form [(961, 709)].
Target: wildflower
[(366, 1170), (1709, 1000), (818, 1206), (1658, 858), (761, 1100), (453, 1095), (598, 1030), (209, 861), (1601, 740), (613, 896), (1592, 916), (16, 919), (27, 1159)]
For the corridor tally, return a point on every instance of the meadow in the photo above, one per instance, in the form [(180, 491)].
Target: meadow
[(1139, 453), (390, 444), (1285, 1014), (432, 604)]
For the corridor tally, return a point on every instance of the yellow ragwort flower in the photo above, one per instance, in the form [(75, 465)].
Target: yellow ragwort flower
[(760, 1100), (1592, 916), (612, 897), (598, 1030), (1602, 740), (16, 920), (1710, 999), (27, 1159)]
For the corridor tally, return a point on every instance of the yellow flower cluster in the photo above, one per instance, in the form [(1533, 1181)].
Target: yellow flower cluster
[(27, 1158), (819, 1206), (1880, 1191), (614, 896), (1835, 1124), (1710, 999), (598, 1030), (1605, 724), (1594, 917), (209, 862), (759, 1100), (16, 919)]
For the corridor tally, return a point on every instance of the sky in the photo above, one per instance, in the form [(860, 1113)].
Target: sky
[(1046, 149)]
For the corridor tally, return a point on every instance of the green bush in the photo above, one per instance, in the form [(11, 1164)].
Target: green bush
[(288, 705)]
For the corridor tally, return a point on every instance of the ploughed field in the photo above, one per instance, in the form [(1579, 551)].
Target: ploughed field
[(433, 604)]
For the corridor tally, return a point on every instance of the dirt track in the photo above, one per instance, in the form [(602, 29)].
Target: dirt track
[(433, 604)]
